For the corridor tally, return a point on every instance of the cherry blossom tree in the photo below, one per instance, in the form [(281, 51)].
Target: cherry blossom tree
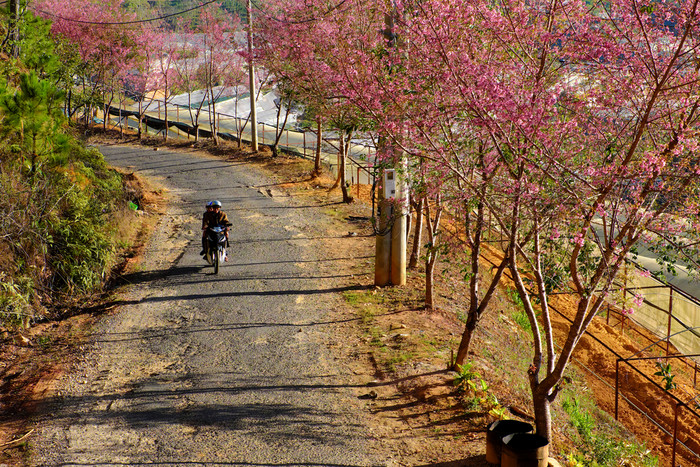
[(93, 31), (222, 66), (591, 115), (572, 125), (189, 77), (142, 82), (164, 76), (343, 118), (631, 170), (399, 80), (284, 107), (298, 46)]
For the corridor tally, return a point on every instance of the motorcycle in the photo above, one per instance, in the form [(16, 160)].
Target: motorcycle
[(216, 246)]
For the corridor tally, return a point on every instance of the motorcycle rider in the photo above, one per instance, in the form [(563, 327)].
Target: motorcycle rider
[(214, 218), (210, 208)]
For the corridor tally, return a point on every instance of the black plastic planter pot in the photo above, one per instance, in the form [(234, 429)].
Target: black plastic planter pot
[(524, 450), (495, 434)]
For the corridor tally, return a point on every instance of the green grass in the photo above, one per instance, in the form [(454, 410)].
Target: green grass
[(334, 213), (522, 320), (376, 336), (599, 440), (518, 312), (398, 358), (368, 304)]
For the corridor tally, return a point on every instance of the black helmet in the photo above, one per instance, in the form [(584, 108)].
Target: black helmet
[(216, 203)]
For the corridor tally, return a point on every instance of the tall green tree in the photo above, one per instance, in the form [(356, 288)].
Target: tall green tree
[(32, 120)]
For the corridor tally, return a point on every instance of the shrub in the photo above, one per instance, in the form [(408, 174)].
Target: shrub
[(55, 204)]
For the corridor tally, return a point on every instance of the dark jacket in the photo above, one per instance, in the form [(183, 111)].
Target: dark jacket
[(213, 219)]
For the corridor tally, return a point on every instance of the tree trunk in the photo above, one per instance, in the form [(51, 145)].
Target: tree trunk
[(429, 278), (432, 253), (543, 415), (105, 111), (319, 138), (165, 117), (239, 129), (106, 106), (121, 121), (340, 162), (279, 131), (139, 121), (409, 215), (417, 235), (463, 349), (213, 120), (86, 104), (340, 179), (68, 103), (14, 27), (477, 304), (342, 158), (474, 308), (195, 122)]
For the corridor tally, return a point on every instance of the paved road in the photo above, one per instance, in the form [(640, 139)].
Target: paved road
[(359, 153), (198, 369)]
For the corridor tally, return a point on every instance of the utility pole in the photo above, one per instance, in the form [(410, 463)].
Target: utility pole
[(251, 77), (390, 245), (391, 242)]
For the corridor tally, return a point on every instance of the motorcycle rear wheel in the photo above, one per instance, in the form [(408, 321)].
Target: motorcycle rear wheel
[(217, 259)]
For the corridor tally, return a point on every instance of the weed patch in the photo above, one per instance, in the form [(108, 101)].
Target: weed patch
[(476, 394), (391, 342), (599, 445)]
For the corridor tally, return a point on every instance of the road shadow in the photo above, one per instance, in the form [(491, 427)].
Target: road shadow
[(221, 401), (254, 293), (296, 239), (210, 276), (184, 327)]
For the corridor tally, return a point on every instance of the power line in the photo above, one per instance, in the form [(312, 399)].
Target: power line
[(107, 23), (117, 23), (301, 21)]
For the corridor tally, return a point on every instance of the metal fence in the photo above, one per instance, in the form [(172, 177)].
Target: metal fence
[(296, 140), (667, 311), (664, 328)]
